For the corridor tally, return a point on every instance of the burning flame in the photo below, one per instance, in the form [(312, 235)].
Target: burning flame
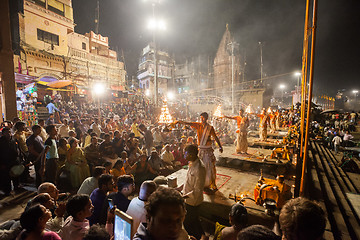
[(165, 116), (249, 109), (218, 112)]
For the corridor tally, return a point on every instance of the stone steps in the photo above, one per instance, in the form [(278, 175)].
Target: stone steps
[(333, 184)]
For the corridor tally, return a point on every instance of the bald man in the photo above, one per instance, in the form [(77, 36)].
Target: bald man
[(136, 207)]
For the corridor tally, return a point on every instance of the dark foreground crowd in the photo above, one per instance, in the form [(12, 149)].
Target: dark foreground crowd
[(85, 164)]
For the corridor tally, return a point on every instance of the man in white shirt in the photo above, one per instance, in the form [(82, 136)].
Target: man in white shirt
[(193, 191), (167, 156), (96, 127), (337, 141), (136, 208), (64, 129), (91, 183), (347, 137)]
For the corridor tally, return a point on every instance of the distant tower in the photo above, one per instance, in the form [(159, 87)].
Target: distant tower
[(97, 17), (222, 66)]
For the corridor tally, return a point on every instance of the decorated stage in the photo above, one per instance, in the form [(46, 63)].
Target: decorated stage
[(254, 161), (230, 181), (276, 135)]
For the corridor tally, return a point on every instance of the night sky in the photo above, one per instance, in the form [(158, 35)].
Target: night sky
[(196, 26)]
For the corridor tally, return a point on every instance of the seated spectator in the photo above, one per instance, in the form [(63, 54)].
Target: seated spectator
[(179, 154), (64, 129), (79, 207), (92, 154), (302, 219), (165, 211), (91, 183), (62, 151), (238, 219), (33, 221), (136, 207), (126, 187), (72, 134), (118, 143), (137, 150), (98, 197), (106, 149), (53, 224), (257, 232), (118, 169), (107, 166), (155, 161), (88, 138), (143, 170), (49, 188), (97, 233), (76, 164), (72, 127), (167, 157)]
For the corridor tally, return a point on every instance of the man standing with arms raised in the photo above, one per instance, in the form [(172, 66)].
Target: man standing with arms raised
[(206, 153), (242, 124)]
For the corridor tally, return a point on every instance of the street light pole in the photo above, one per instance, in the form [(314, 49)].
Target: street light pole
[(298, 75), (355, 92), (282, 87), (155, 62), (231, 45), (261, 63)]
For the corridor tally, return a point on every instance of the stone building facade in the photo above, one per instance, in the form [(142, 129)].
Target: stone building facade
[(223, 66), (46, 46), (146, 69)]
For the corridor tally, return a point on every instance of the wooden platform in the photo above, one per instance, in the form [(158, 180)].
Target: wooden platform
[(253, 161), (276, 135), (215, 208), (268, 144)]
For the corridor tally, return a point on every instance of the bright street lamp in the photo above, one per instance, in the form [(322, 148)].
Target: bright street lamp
[(170, 96), (355, 92), (156, 24), (282, 87), (298, 74), (99, 89), (147, 92)]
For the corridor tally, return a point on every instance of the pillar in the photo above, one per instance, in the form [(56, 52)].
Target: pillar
[(7, 63)]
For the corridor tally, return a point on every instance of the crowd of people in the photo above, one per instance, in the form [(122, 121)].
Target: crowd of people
[(336, 130), (99, 158)]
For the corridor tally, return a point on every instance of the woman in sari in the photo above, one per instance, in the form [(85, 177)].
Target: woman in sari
[(76, 164)]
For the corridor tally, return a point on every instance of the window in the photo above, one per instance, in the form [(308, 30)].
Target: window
[(56, 7), (40, 3), (47, 37), (84, 46)]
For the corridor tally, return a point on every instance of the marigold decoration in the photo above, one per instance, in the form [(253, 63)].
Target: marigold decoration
[(165, 116), (218, 112)]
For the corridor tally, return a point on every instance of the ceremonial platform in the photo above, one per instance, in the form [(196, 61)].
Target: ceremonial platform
[(253, 161), (276, 135), (235, 182)]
